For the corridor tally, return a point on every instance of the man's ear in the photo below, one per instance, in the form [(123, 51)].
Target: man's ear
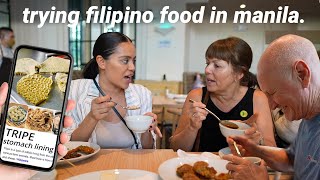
[(303, 72), (101, 62)]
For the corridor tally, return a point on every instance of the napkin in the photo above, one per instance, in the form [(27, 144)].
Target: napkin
[(182, 153)]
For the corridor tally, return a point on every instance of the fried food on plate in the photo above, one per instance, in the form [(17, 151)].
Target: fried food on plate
[(73, 153), (190, 176), (200, 170), (222, 176), (85, 149), (184, 169)]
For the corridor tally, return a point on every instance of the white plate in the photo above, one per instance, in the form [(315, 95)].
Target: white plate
[(180, 96), (180, 101), (73, 144), (167, 170), (118, 174), (224, 151), (51, 175)]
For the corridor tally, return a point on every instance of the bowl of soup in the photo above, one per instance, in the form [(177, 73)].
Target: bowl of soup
[(227, 131)]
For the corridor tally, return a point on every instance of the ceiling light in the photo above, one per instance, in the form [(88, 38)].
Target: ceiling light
[(242, 6)]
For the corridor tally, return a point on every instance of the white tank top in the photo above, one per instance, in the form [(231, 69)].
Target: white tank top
[(113, 135)]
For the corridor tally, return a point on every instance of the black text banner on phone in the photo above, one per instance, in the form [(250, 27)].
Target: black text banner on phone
[(35, 107)]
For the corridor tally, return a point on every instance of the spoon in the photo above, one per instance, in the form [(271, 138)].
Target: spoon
[(237, 149), (134, 107), (225, 122)]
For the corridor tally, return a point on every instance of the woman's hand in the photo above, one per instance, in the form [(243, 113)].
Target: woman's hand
[(100, 107), (7, 172), (197, 114), (154, 125)]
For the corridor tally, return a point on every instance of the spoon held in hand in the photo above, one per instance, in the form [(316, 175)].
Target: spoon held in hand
[(224, 122)]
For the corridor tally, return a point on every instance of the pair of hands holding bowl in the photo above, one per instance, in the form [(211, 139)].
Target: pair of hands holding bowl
[(101, 106), (8, 172)]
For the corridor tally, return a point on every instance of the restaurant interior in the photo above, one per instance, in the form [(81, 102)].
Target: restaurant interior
[(170, 57)]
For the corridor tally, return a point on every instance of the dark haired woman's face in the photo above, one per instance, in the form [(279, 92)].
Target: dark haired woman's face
[(120, 66), (219, 75)]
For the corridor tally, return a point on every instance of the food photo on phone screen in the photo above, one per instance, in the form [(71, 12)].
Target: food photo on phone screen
[(38, 93)]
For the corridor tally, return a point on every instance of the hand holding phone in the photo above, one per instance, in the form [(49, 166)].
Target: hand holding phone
[(38, 91)]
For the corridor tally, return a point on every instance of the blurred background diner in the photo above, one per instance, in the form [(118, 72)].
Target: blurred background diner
[(170, 56)]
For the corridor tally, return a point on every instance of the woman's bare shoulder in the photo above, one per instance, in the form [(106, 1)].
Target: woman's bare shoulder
[(195, 94), (259, 98)]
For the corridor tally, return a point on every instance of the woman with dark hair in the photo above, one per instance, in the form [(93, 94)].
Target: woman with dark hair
[(229, 94), (97, 118)]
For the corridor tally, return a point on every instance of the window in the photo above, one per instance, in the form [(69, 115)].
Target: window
[(4, 13), (83, 36)]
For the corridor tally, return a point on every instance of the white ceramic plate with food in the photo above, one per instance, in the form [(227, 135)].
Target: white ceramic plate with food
[(74, 144), (167, 170), (118, 174)]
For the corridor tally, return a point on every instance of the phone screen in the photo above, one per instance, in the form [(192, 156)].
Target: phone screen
[(38, 91)]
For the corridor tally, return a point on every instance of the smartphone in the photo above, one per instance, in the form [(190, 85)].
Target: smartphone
[(35, 107)]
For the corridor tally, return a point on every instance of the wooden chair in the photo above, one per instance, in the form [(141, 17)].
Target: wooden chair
[(159, 111), (175, 114)]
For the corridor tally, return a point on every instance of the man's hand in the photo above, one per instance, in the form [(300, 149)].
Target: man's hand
[(246, 146), (244, 169)]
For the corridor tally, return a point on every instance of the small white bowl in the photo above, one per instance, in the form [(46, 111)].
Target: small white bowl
[(138, 123), (226, 131), (180, 96), (254, 160), (180, 101)]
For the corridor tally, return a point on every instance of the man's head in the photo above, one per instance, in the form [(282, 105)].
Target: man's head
[(287, 73), (7, 37)]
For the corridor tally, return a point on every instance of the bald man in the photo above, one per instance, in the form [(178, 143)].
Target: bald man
[(288, 73)]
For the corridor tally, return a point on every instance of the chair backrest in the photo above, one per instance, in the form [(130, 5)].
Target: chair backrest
[(77, 74), (188, 80)]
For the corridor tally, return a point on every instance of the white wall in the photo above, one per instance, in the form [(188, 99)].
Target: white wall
[(190, 41), (204, 34), (163, 59), (152, 60), (53, 36)]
